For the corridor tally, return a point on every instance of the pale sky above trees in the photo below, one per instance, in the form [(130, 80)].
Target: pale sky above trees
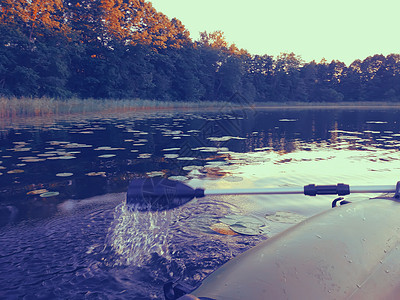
[(343, 29)]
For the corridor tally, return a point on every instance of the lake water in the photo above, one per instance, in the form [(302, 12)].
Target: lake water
[(66, 233)]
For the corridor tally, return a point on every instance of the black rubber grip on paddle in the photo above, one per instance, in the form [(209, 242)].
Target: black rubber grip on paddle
[(339, 189)]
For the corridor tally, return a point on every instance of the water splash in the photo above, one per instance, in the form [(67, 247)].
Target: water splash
[(135, 236)]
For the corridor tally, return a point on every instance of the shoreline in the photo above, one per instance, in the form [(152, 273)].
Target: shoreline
[(15, 108), (327, 105)]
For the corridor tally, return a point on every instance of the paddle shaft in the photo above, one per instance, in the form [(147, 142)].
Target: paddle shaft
[(297, 190)]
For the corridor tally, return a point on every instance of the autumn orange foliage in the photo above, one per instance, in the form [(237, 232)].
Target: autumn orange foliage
[(217, 40), (132, 21)]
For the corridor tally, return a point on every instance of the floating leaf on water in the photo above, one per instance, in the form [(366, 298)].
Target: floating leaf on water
[(103, 174), (106, 155), (37, 192), (171, 155), (287, 120), (234, 219), (209, 149), (178, 178), (57, 143), (376, 122), (191, 168), (285, 217), (53, 157), (27, 157), (372, 131), (216, 163), (64, 174), (248, 229), (186, 158), (22, 149), (222, 229), (16, 171), (105, 148), (155, 173), (46, 154), (233, 178), (33, 160), (225, 138), (49, 194), (20, 143), (76, 145)]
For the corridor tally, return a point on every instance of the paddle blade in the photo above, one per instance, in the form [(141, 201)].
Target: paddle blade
[(159, 194)]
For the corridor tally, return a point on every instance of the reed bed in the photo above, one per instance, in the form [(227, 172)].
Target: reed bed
[(29, 107)]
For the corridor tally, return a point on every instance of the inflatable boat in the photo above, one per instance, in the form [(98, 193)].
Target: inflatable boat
[(351, 251)]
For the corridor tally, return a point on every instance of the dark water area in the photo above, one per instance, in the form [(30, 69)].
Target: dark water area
[(65, 232)]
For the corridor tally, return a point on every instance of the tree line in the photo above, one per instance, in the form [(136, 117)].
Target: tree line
[(126, 49)]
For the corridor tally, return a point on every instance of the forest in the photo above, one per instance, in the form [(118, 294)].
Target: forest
[(123, 49)]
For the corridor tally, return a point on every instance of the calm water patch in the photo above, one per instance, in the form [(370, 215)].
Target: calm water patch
[(65, 231)]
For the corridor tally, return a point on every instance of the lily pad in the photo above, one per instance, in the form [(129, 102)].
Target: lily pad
[(16, 171), (22, 149), (246, 225), (178, 178), (286, 217), (155, 173), (49, 194), (245, 229), (46, 154), (233, 219), (186, 158), (96, 174), (287, 120), (107, 155), (233, 178), (64, 174)]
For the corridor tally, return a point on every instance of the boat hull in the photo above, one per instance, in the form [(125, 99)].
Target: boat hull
[(349, 252)]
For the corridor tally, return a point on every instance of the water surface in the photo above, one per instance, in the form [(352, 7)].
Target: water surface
[(66, 233)]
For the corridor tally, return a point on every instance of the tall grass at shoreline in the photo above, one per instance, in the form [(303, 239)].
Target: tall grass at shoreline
[(29, 107)]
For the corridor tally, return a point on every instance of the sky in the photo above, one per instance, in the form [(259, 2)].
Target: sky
[(343, 30)]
